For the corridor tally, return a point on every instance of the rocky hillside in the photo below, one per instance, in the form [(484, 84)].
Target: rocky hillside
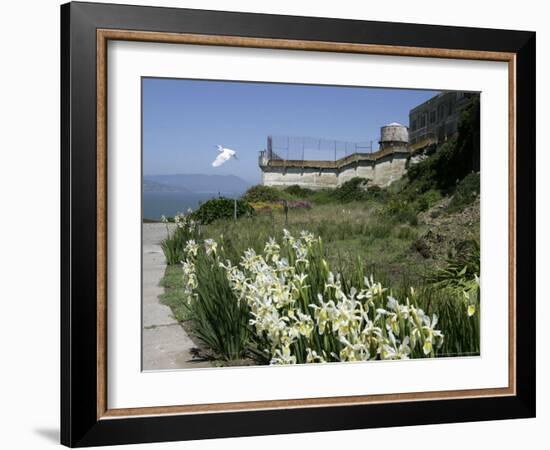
[(448, 234)]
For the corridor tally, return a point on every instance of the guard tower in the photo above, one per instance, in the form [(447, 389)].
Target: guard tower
[(394, 136)]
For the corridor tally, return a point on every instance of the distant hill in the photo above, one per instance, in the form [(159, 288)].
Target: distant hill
[(153, 186), (224, 184)]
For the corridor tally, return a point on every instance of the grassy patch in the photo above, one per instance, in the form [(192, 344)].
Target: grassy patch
[(173, 295), (357, 230)]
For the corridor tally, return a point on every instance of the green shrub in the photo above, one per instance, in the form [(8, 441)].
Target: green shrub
[(261, 193), (397, 186), (426, 200), (466, 192), (377, 193), (400, 211), (352, 190), (299, 191), (221, 208), (410, 217), (422, 204)]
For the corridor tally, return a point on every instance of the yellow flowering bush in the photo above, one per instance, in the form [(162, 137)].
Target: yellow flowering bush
[(266, 206)]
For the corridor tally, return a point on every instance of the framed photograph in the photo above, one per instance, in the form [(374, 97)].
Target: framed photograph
[(276, 224)]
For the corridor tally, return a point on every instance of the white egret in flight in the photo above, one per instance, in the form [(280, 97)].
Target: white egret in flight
[(225, 155)]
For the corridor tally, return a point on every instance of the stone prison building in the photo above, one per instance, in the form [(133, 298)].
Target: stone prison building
[(296, 161)]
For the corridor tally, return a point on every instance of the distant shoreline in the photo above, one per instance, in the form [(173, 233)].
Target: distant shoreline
[(157, 204)]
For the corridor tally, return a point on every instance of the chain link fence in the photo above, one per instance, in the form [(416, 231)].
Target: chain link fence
[(299, 148)]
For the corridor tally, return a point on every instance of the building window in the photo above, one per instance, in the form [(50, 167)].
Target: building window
[(423, 121), (432, 116), (414, 125)]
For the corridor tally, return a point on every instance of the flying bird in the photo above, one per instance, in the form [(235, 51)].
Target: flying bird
[(225, 155)]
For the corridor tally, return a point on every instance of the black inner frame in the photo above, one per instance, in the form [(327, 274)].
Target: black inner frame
[(79, 424)]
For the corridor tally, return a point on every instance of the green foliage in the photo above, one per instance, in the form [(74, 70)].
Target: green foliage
[(299, 191), (172, 249), (378, 194), (426, 175), (173, 293), (405, 232), (322, 197), (401, 211), (174, 243), (236, 237), (219, 320), (466, 192), (220, 309), (453, 160), (428, 199), (442, 293), (373, 230), (352, 190), (460, 268), (461, 330), (378, 230), (358, 229), (458, 283), (221, 208), (261, 193)]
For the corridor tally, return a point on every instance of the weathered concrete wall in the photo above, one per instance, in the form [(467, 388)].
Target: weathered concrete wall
[(310, 178), (389, 169), (364, 169), (381, 172)]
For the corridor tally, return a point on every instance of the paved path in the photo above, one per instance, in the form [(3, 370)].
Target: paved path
[(166, 345)]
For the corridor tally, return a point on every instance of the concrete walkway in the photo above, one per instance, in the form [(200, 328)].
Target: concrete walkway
[(166, 345)]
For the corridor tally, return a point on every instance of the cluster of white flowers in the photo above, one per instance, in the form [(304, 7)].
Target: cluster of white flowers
[(189, 280), (211, 247), (184, 221), (301, 324)]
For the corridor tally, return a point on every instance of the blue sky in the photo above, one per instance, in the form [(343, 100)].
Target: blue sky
[(183, 120)]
